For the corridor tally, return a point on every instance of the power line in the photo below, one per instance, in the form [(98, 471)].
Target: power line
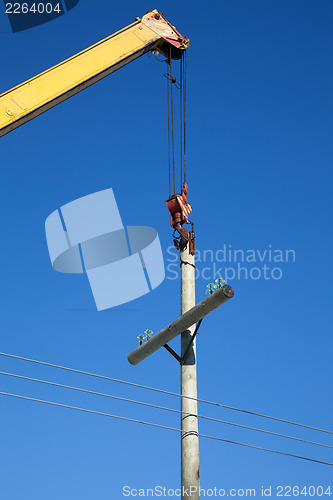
[(162, 408), (164, 427), (165, 392)]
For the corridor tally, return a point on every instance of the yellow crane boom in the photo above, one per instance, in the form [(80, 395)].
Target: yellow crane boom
[(31, 98)]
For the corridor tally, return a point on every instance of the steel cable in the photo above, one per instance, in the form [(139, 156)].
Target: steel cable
[(184, 108), (172, 127), (169, 145)]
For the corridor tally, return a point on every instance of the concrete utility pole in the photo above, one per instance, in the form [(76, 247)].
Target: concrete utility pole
[(190, 472), (185, 327)]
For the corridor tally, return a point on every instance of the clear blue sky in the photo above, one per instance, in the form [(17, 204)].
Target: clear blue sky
[(260, 86)]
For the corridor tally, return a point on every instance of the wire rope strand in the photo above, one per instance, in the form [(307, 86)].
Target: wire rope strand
[(169, 145), (184, 108), (172, 128), (181, 123)]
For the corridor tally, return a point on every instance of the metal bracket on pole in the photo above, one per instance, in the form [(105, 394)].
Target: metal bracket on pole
[(175, 355)]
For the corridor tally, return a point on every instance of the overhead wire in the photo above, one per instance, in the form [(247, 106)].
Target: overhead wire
[(87, 391), (164, 427), (162, 391)]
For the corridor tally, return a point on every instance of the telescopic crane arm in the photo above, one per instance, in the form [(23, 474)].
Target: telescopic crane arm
[(31, 98)]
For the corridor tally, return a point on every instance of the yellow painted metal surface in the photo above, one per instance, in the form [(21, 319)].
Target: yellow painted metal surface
[(33, 97)]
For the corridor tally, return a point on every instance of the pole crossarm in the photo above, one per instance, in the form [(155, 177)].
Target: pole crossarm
[(181, 324)]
